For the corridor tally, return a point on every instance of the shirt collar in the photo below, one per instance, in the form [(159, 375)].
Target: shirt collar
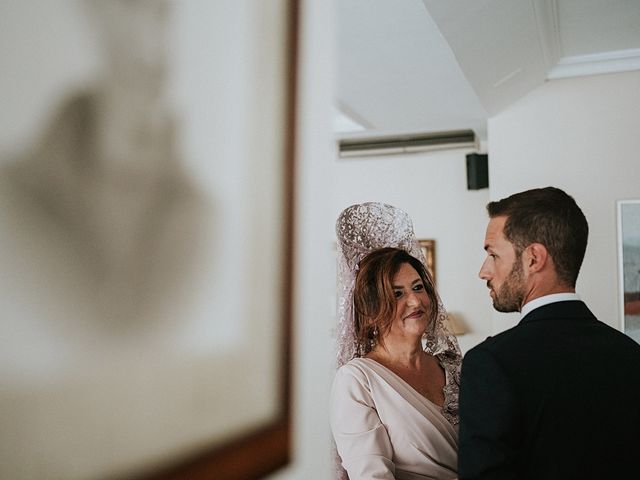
[(545, 300)]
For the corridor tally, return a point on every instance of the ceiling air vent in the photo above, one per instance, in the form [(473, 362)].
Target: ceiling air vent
[(410, 143)]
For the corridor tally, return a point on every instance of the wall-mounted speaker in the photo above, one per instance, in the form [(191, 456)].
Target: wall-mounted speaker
[(477, 171)]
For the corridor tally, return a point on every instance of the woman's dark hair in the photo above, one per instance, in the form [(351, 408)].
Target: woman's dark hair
[(374, 302)]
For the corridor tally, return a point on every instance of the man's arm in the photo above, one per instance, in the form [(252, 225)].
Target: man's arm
[(489, 437)]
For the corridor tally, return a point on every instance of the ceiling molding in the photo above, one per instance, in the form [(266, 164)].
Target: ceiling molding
[(546, 15), (597, 63)]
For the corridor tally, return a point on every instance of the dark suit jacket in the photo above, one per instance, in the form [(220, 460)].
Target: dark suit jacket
[(556, 397)]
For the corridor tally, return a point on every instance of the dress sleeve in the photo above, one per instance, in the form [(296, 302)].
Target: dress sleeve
[(488, 420), (361, 438)]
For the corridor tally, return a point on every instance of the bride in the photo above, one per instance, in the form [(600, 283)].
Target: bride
[(394, 401)]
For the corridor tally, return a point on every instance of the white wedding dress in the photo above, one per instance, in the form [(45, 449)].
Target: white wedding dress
[(385, 429)]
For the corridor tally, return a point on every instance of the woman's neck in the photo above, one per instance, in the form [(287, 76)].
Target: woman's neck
[(404, 353)]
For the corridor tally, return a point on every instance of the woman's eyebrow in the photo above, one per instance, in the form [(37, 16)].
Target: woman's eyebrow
[(417, 280)]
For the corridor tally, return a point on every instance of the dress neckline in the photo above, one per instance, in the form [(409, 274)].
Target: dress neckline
[(446, 379)]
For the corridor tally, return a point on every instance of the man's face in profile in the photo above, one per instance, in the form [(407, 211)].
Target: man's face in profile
[(502, 269)]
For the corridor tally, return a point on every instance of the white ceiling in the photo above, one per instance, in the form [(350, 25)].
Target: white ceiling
[(408, 66)]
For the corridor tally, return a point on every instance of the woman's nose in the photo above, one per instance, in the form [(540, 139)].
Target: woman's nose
[(412, 299)]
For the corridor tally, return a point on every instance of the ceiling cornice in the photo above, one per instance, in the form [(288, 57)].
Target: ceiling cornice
[(560, 66), (607, 62)]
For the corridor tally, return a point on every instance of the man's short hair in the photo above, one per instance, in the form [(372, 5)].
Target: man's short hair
[(550, 217)]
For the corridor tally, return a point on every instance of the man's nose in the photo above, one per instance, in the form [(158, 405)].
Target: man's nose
[(484, 273)]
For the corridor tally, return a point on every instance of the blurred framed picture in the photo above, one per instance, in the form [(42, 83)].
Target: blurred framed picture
[(144, 146), (629, 266)]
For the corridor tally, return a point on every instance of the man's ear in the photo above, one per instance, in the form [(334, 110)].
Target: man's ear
[(535, 257)]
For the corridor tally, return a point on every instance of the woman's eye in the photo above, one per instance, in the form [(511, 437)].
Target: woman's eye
[(418, 287), (397, 293)]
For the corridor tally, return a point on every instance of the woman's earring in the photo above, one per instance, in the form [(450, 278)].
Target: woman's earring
[(374, 336)]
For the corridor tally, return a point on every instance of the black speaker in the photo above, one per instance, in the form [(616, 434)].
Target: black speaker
[(477, 171)]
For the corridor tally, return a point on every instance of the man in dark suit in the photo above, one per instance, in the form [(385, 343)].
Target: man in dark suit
[(557, 396)]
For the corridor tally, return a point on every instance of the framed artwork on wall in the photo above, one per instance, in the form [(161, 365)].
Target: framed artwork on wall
[(265, 445), (428, 247), (629, 266), (146, 333)]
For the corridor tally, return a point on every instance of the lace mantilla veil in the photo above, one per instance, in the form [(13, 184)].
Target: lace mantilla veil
[(365, 227)]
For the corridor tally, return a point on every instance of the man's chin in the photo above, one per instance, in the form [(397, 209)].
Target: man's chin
[(502, 308)]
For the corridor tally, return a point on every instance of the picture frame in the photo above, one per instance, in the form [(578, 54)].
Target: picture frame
[(428, 247), (263, 450), (167, 344), (628, 223)]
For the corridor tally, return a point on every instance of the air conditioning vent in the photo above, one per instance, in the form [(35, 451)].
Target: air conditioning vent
[(411, 143)]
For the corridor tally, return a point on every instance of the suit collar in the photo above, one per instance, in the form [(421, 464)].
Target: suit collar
[(546, 299), (569, 309)]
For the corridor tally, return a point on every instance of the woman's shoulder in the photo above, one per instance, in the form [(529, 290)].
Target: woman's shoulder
[(357, 370), (353, 381), (358, 366)]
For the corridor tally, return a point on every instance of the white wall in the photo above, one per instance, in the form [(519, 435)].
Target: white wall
[(580, 135), (432, 189)]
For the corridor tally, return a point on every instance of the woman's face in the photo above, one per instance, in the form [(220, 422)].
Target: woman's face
[(413, 303)]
